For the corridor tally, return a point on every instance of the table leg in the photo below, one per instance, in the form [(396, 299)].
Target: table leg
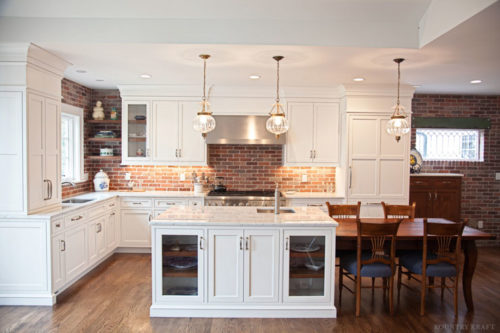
[(470, 252)]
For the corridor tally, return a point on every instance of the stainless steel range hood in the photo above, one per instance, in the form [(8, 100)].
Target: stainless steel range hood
[(242, 130)]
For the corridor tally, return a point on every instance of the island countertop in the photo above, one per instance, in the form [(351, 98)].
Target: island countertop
[(239, 216)]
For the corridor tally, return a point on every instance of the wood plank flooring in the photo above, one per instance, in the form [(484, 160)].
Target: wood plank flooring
[(116, 296)]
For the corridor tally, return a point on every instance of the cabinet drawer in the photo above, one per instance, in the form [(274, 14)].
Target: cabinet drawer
[(163, 203), (75, 218), (448, 183), (420, 182), (136, 203), (57, 225), (96, 210), (195, 203), (111, 204)]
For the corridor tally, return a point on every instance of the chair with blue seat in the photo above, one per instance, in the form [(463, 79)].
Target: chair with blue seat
[(377, 262), (439, 258)]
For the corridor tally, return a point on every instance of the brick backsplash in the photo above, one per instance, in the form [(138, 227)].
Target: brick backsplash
[(480, 190)]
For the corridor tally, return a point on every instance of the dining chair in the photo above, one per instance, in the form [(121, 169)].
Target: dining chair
[(344, 211), (440, 258), (377, 262), (399, 211)]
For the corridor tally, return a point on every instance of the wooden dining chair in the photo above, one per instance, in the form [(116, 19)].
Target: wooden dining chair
[(399, 211), (440, 258), (378, 262), (344, 211)]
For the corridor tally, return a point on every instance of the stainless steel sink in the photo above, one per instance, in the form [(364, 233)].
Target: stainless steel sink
[(76, 201), (271, 210)]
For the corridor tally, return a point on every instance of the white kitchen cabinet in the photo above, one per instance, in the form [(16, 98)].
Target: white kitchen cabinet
[(179, 247), (243, 266), (378, 164), (302, 285), (97, 239), (314, 134), (111, 230), (76, 242), (136, 132), (174, 139), (58, 261), (135, 227)]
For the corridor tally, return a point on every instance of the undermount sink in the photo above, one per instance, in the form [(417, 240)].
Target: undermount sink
[(271, 210), (76, 201)]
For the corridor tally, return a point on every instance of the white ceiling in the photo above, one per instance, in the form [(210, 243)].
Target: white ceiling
[(469, 51)]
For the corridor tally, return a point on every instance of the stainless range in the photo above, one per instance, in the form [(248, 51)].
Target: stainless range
[(242, 198)]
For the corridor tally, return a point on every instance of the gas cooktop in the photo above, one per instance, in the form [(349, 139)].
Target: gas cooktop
[(241, 194)]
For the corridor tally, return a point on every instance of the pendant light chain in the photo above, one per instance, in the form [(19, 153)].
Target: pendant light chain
[(399, 79), (278, 83), (204, 79)]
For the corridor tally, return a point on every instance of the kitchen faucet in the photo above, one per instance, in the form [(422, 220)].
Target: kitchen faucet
[(276, 199)]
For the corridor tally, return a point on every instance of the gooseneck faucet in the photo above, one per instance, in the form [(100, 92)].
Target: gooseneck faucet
[(276, 200)]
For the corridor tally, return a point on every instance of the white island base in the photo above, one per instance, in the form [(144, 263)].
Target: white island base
[(236, 262)]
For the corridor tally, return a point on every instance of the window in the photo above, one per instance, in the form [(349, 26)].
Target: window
[(72, 143), (450, 144)]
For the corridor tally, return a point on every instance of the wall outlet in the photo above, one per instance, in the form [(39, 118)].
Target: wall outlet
[(183, 176), (127, 175), (480, 224), (497, 176), (304, 178)]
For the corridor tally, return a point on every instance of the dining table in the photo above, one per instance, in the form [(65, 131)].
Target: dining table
[(410, 237)]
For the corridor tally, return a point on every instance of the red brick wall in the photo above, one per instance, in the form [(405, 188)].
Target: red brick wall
[(480, 190)]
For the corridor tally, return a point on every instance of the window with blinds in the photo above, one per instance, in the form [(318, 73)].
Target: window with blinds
[(450, 144)]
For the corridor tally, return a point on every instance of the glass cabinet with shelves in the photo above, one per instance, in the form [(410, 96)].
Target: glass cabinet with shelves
[(307, 266), (182, 266), (135, 132)]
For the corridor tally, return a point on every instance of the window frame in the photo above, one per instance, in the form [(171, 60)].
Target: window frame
[(76, 114)]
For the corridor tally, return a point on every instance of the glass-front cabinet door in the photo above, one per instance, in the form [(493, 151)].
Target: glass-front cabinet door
[(180, 263), (308, 266), (136, 129)]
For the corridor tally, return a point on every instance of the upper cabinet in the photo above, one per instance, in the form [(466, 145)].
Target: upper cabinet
[(161, 133), (314, 134)]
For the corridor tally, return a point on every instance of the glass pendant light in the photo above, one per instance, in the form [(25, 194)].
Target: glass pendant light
[(398, 125), (277, 123), (204, 122)]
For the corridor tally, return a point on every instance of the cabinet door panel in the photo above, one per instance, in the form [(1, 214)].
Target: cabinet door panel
[(326, 132), (446, 205), (423, 200), (299, 139), (136, 136), (363, 178), (225, 280), (97, 241), (261, 266), (76, 251), (363, 135), (37, 188), (135, 228), (111, 231), (192, 145), (165, 130), (52, 143), (58, 262), (391, 173)]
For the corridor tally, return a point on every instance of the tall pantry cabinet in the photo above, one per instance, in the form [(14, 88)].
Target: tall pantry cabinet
[(30, 115)]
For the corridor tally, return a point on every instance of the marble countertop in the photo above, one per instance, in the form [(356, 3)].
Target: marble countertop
[(312, 195), (436, 174), (238, 216)]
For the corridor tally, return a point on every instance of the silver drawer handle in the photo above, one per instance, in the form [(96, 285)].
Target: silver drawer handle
[(170, 203), (137, 203), (63, 244), (111, 205), (286, 244), (79, 217), (314, 205), (112, 214), (201, 243), (99, 228), (241, 243), (58, 225)]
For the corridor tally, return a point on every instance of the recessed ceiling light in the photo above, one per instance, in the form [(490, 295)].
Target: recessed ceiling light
[(254, 77), (99, 80), (476, 81), (81, 71), (358, 79), (416, 86), (145, 76)]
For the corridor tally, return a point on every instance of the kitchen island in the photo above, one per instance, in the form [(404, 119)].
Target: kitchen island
[(243, 262)]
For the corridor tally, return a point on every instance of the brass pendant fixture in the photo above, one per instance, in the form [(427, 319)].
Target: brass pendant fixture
[(398, 125), (277, 122), (204, 122)]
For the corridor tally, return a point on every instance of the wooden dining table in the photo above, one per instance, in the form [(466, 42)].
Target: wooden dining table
[(410, 236)]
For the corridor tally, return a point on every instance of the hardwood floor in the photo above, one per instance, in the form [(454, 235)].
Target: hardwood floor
[(116, 297)]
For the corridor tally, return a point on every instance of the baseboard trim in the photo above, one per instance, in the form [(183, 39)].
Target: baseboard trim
[(34, 300), (133, 250)]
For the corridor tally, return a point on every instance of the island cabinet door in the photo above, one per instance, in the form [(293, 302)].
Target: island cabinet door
[(307, 269), (262, 260), (179, 265), (225, 268)]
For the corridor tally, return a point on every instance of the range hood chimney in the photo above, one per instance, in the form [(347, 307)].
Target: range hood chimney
[(250, 130)]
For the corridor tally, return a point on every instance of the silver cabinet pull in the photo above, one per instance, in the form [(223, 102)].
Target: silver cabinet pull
[(310, 154), (435, 195), (50, 189), (136, 203), (314, 155), (180, 152), (150, 217), (286, 244), (58, 225), (111, 205), (99, 228), (79, 217), (63, 245), (46, 197), (430, 196), (350, 177), (112, 214), (201, 242), (241, 243), (170, 203), (247, 246), (314, 205)]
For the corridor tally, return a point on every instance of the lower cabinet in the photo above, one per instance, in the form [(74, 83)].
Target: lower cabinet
[(135, 227), (111, 230), (75, 248), (97, 241), (58, 261)]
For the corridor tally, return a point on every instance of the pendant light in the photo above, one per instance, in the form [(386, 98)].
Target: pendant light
[(277, 123), (398, 125), (204, 122)]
